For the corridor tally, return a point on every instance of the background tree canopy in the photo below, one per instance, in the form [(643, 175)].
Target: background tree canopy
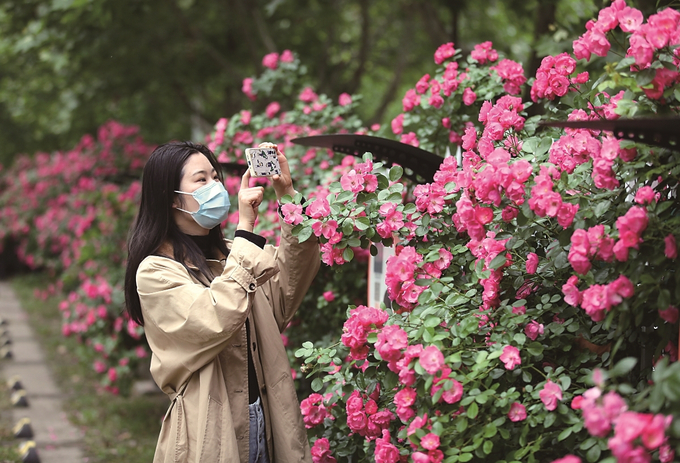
[(174, 67)]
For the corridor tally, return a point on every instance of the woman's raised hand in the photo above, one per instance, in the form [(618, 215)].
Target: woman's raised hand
[(283, 184), (249, 199)]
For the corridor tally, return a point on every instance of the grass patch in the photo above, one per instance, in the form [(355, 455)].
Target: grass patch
[(116, 429)]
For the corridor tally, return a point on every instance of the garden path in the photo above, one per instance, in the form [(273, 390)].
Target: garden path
[(56, 439)]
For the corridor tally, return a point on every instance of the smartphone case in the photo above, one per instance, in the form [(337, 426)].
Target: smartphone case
[(262, 162)]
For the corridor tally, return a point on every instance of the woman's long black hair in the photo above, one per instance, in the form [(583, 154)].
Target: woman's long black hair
[(155, 225)]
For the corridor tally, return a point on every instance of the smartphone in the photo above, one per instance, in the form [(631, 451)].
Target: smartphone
[(262, 162)]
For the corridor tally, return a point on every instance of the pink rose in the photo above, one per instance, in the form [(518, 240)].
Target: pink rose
[(518, 412), (329, 296), (270, 60), (510, 357), (444, 52), (550, 394), (568, 459), (432, 359), (670, 314), (344, 99), (469, 96), (532, 263), (272, 109), (533, 330), (430, 441), (671, 249)]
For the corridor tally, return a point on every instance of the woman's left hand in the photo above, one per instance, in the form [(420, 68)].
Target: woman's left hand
[(283, 184)]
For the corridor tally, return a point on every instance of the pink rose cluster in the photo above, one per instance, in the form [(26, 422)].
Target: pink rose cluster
[(486, 250), (360, 178), (546, 202), (511, 74), (313, 410), (597, 300), (602, 412), (362, 321), (483, 53), (271, 60), (364, 418), (321, 451), (432, 361), (400, 278), (552, 77)]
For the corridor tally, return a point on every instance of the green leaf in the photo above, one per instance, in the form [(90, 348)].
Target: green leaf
[(317, 384), (304, 234), (472, 410), (549, 420), (535, 348), (593, 453), (564, 434), (362, 223), (498, 261), (622, 367), (602, 207), (487, 447), (348, 254), (465, 457), (395, 173)]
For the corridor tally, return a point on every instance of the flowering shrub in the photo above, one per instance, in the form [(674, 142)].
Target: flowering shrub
[(70, 213), (534, 286)]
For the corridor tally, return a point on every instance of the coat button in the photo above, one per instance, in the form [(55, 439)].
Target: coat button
[(252, 286), (263, 389)]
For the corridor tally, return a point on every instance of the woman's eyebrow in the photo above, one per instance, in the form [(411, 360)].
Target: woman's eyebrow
[(202, 172)]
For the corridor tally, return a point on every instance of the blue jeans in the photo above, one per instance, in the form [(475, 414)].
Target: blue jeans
[(258, 441)]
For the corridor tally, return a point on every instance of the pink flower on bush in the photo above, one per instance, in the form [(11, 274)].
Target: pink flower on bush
[(532, 263), (550, 395), (432, 359), (351, 181), (398, 124), (410, 100), (247, 88), (518, 412), (670, 249), (568, 459), (510, 357), (272, 108), (670, 314), (444, 52), (533, 330), (329, 296), (321, 451), (271, 60), (292, 213), (391, 340), (385, 451), (308, 96), (313, 410), (572, 295), (430, 441), (410, 139), (469, 96), (344, 99), (287, 56)]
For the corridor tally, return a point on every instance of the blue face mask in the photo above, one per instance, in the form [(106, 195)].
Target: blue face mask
[(213, 204)]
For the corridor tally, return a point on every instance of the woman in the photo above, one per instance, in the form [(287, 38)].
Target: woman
[(213, 311)]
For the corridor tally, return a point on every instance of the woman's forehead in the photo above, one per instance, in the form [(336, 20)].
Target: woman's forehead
[(197, 163)]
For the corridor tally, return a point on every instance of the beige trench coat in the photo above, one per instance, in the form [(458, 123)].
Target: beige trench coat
[(199, 359)]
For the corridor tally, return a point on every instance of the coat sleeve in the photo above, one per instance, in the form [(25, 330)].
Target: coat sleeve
[(190, 321), (298, 264)]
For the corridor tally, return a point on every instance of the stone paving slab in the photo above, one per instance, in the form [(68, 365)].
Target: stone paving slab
[(57, 440)]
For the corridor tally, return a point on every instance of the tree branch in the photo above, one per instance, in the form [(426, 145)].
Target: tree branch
[(355, 82)]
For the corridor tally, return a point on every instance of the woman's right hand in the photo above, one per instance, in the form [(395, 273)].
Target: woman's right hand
[(249, 199)]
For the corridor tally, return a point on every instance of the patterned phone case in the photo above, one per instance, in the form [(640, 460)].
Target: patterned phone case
[(262, 162)]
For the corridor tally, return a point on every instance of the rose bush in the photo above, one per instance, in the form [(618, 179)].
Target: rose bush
[(69, 213), (534, 289)]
